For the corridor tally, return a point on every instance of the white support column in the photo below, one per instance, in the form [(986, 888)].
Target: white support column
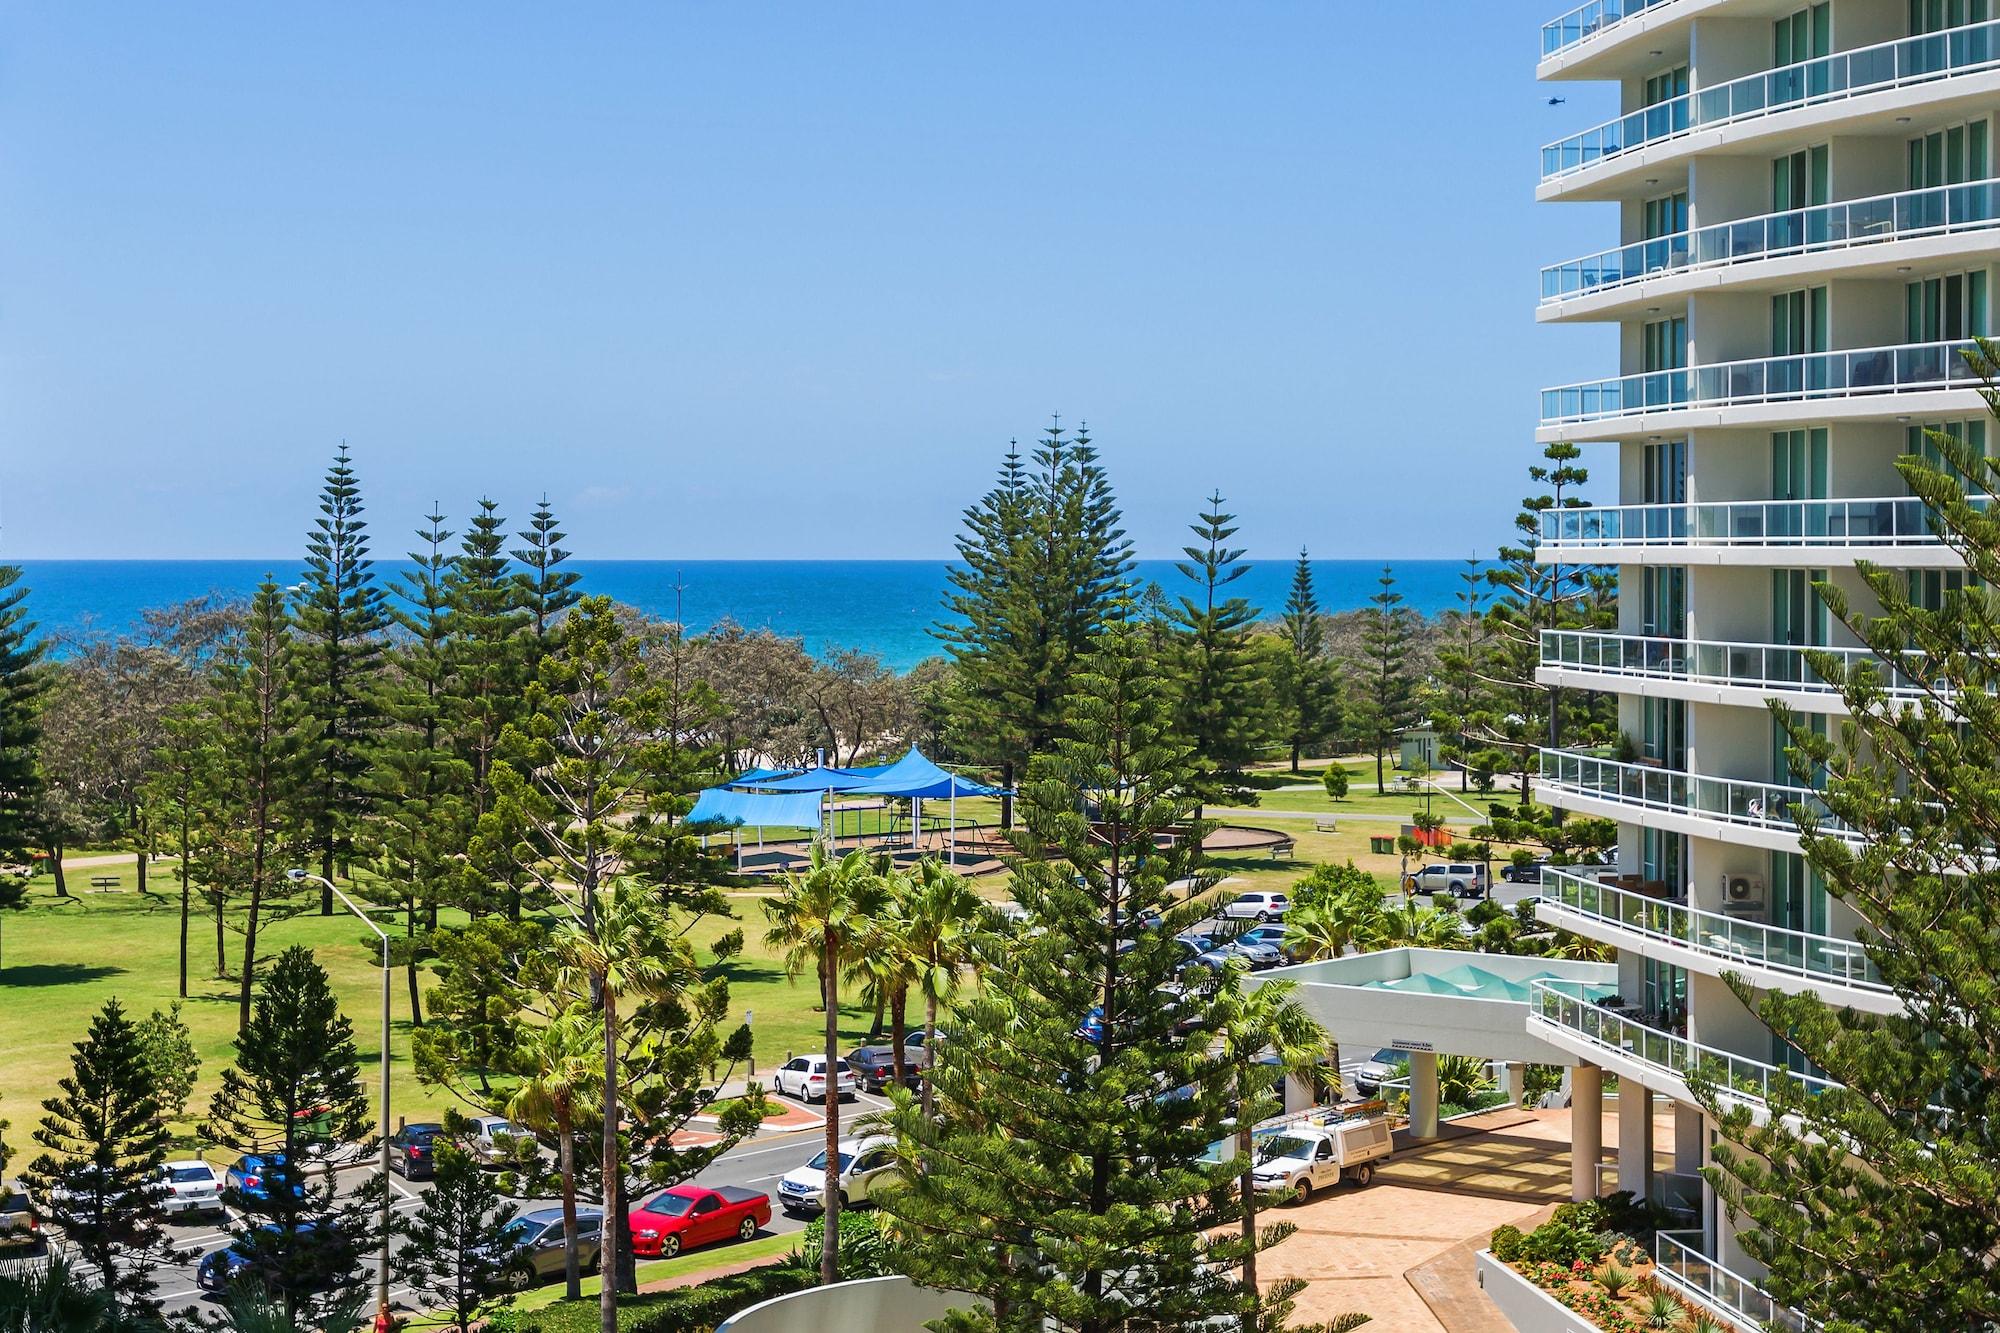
[(1517, 1082), (1586, 1130), (1688, 1139), (1423, 1095), (1635, 1139)]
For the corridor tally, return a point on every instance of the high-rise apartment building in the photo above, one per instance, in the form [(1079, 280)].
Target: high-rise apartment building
[(1808, 219)]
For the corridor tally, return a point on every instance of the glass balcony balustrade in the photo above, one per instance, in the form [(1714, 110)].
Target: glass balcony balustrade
[(1896, 520), (1850, 223), (1559, 34), (1867, 69), (1761, 805), (1734, 942), (1861, 373), (1679, 1261), (1764, 667)]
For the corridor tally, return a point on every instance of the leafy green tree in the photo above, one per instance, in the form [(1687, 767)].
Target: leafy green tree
[(172, 1061), (1335, 780), (104, 1141), (1875, 1204), (478, 1005), (941, 933), (1461, 688), (559, 1064), (22, 681), (174, 791), (1053, 1179), (457, 1253), (1042, 564), (546, 589), (295, 1075), (338, 665), (487, 674), (816, 918), (1388, 705), (1220, 705), (1308, 688), (57, 1297)]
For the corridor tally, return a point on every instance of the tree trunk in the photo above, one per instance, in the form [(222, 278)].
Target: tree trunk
[(566, 1166), (881, 1007), (1380, 788), (607, 1295), (326, 872), (897, 1031), (410, 964), (249, 955), (628, 1263), (1253, 1319), (142, 858), (1295, 756), (55, 864), (830, 996), (1007, 795), (930, 1048), (184, 909), (221, 957)]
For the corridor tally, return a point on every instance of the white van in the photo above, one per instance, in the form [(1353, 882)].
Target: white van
[(1318, 1150)]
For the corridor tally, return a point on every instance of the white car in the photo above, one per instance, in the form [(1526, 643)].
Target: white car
[(498, 1141), (189, 1187), (1302, 1157), (865, 1166), (1258, 907), (805, 1079)]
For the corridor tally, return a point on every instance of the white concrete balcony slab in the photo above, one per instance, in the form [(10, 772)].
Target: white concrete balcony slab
[(1890, 530), (1709, 671), (1682, 1264), (1712, 943), (1909, 379), (1852, 236), (1750, 814), (1630, 1045), (1911, 62)]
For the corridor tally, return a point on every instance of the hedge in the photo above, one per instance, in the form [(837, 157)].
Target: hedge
[(682, 1310)]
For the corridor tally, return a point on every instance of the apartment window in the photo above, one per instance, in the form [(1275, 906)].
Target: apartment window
[(1949, 156), (1666, 93), (1930, 587), (1663, 729), (1919, 440), (1798, 322), (1781, 760), (1797, 894), (1948, 308), (1664, 600), (1663, 856), (1804, 35), (1663, 345), (1937, 15), (1665, 468), (1664, 993), (1798, 616), (1798, 464), (1663, 87), (1665, 216), (1799, 180)]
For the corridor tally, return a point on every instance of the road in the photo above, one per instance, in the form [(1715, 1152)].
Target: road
[(757, 1163)]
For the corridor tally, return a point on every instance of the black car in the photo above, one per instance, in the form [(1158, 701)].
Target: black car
[(412, 1152), (220, 1270), (1530, 873), (875, 1066)]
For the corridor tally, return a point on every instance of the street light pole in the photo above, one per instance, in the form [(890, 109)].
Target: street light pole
[(382, 1276)]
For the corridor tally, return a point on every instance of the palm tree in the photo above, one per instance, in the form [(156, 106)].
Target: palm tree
[(816, 919), (1411, 926), (624, 947), (557, 1063), (54, 1296), (942, 925), (1247, 1023)]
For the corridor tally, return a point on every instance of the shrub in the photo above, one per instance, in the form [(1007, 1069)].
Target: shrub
[(864, 1250), (1662, 1310), (1614, 1280), (686, 1310), (1559, 1242), (1506, 1243), (1335, 781)]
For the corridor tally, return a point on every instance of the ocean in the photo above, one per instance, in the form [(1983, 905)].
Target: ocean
[(885, 607)]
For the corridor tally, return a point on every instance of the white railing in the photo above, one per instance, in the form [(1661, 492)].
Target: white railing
[(1862, 372), (1589, 20), (1890, 520), (1730, 939), (1680, 1263), (1936, 211), (1568, 1005), (1764, 805), (1830, 78), (1766, 667)]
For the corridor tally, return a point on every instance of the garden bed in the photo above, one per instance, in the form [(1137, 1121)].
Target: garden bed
[(1593, 1259)]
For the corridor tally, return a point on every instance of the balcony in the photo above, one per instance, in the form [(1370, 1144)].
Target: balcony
[(1757, 670), (1847, 225), (1868, 69), (1808, 377), (1894, 529), (1715, 942), (1680, 1264), (1586, 21), (1627, 1042), (1690, 804)]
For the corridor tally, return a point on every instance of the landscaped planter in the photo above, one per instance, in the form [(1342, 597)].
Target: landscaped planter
[(1524, 1305), (1587, 1269)]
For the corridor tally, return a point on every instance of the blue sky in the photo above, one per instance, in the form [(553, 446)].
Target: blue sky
[(742, 280)]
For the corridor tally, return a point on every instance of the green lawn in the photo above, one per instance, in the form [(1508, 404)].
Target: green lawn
[(764, 1247)]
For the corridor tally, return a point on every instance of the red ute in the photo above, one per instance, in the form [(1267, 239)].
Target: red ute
[(685, 1216)]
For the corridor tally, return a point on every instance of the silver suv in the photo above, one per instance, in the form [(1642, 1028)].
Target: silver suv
[(1458, 878)]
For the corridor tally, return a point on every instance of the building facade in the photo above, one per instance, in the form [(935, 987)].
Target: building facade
[(1808, 217)]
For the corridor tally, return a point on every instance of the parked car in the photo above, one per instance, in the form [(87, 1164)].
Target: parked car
[(875, 1066), (865, 1165), (1257, 906), (20, 1225), (189, 1187), (1303, 1157), (411, 1151), (684, 1216), (1458, 878), (805, 1079), (219, 1271), (536, 1241), (1384, 1064), (1212, 952), (498, 1141), (1272, 935), (1531, 873), (249, 1175)]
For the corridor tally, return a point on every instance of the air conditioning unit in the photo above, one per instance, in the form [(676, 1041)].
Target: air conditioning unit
[(1743, 894)]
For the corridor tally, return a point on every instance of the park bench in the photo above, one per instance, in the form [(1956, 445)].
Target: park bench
[(1326, 824), (104, 883)]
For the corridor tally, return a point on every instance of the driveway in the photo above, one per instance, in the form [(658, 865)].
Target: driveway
[(1373, 1249)]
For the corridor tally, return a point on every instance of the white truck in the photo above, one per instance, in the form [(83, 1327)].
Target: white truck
[(1318, 1149)]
